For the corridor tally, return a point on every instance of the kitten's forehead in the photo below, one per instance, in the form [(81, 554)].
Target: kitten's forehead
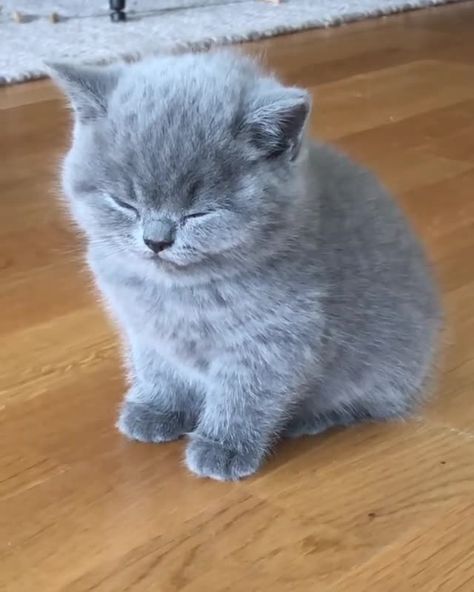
[(171, 122), (166, 124), (196, 89), (169, 149)]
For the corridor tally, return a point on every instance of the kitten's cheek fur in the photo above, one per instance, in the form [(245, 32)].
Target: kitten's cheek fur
[(207, 458)]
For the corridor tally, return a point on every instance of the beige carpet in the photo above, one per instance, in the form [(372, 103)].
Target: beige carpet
[(85, 33)]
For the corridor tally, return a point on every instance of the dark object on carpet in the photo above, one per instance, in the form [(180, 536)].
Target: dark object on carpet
[(117, 11)]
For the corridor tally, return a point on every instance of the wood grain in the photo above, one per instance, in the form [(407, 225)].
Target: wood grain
[(375, 508)]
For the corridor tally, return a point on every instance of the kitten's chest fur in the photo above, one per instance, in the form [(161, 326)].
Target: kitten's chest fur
[(184, 325), (189, 326)]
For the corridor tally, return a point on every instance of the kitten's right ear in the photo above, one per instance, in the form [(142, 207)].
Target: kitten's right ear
[(88, 88), (276, 121)]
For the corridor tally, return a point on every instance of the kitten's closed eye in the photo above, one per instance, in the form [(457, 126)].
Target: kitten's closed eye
[(123, 205), (196, 215)]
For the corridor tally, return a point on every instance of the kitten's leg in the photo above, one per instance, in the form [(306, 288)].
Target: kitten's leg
[(160, 405), (310, 420), (243, 414)]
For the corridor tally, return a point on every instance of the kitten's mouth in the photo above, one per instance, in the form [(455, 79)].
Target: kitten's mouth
[(172, 262), (166, 263)]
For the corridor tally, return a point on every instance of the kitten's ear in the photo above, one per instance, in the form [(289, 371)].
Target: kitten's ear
[(276, 122), (88, 88)]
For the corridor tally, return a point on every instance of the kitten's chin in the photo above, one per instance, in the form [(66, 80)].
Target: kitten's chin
[(178, 261), (168, 264), (171, 266)]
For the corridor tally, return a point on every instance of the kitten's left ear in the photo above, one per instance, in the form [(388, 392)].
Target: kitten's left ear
[(275, 124), (88, 88)]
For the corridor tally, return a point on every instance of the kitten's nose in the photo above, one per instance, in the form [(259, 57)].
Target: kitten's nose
[(158, 234), (157, 246)]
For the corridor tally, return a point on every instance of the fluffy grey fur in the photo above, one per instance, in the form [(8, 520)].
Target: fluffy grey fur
[(265, 285)]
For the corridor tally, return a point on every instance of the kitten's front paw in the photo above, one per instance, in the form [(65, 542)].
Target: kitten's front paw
[(207, 458), (145, 423)]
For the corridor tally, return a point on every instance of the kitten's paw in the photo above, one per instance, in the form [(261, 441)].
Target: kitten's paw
[(207, 458), (145, 423)]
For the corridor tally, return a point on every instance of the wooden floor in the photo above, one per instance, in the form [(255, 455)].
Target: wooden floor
[(376, 508)]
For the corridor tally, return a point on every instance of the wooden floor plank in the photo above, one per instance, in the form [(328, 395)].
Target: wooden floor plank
[(438, 557)]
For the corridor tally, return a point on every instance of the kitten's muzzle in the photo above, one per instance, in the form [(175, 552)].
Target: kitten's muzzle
[(158, 234)]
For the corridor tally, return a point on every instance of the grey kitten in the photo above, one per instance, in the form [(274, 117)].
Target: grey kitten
[(265, 285)]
